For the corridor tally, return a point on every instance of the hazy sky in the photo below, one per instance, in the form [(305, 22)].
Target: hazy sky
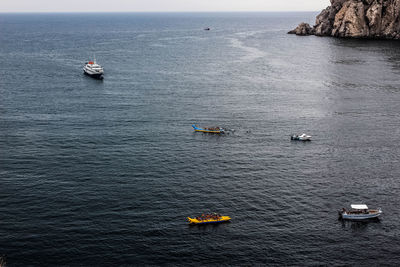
[(159, 5)]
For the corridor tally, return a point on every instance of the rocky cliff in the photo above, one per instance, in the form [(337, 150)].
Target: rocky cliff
[(356, 19)]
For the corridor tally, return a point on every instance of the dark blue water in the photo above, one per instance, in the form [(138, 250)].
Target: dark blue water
[(105, 172)]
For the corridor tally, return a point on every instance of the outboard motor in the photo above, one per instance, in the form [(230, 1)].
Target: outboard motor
[(340, 212)]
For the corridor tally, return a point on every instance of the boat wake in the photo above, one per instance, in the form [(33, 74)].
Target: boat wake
[(252, 53)]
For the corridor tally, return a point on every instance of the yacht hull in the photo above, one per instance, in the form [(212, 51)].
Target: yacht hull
[(98, 76)]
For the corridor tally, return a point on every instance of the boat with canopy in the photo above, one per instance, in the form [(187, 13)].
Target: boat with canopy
[(359, 212)]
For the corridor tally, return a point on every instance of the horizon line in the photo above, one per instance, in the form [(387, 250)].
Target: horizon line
[(126, 12)]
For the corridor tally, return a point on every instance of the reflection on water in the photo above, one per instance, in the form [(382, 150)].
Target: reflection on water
[(359, 226), (372, 52)]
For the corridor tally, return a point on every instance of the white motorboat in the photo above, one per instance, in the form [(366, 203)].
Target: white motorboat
[(93, 69), (359, 212), (302, 137)]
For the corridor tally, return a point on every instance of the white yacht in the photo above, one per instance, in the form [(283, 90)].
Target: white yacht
[(303, 137), (359, 212), (93, 69)]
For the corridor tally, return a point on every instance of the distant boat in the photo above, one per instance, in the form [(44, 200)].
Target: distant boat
[(93, 69), (359, 212), (207, 29), (214, 130), (209, 218), (302, 137)]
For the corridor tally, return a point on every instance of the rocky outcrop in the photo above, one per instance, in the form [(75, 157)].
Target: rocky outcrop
[(303, 29), (325, 20), (357, 19)]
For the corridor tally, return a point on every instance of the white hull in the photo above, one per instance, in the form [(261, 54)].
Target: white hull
[(302, 137), (359, 217), (92, 72)]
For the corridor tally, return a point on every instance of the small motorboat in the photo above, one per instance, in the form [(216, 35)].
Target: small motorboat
[(93, 70), (359, 212), (207, 29), (214, 130), (209, 218), (303, 137)]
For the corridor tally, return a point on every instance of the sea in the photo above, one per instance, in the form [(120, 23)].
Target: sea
[(106, 172)]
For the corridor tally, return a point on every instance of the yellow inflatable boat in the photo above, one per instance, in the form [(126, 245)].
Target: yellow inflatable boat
[(214, 130), (211, 219)]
